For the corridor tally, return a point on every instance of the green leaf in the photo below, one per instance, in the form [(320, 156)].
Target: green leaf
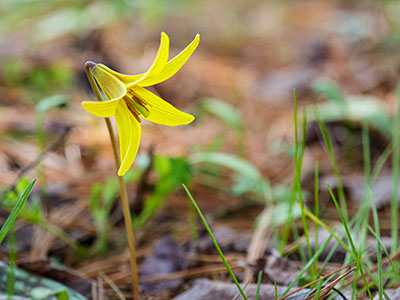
[(224, 111), (51, 102), (357, 109), (232, 162), (14, 213), (329, 90)]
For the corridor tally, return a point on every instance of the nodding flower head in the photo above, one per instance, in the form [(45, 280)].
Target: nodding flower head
[(128, 100)]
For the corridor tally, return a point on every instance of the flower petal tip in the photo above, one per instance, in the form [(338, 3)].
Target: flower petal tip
[(190, 119), (90, 64)]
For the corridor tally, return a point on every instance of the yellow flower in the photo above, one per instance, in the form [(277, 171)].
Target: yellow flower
[(128, 100)]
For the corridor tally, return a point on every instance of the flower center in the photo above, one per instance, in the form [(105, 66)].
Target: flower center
[(136, 106)]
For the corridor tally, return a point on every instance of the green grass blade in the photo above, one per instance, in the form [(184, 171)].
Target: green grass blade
[(332, 158), (381, 162), (395, 175), (353, 247), (215, 242), (193, 223), (259, 278), (12, 256), (299, 154), (370, 200), (316, 209), (14, 213)]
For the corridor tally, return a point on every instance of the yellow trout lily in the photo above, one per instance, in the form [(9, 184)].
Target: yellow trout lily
[(128, 100)]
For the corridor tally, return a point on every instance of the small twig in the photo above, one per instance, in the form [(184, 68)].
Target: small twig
[(258, 242)]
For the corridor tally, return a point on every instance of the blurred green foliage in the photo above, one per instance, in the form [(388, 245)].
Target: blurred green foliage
[(224, 111), (40, 81), (50, 19), (355, 108), (171, 172), (101, 201)]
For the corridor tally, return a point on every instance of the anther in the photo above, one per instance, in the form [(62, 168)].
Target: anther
[(133, 110)]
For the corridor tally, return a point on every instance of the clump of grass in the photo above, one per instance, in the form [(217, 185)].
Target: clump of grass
[(354, 248), (350, 238)]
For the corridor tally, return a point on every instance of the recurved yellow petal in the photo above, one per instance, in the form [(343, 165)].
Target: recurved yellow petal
[(161, 112), (129, 137), (172, 66), (105, 109), (159, 62), (110, 84), (157, 66)]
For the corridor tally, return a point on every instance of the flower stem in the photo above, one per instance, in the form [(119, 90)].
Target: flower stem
[(124, 196)]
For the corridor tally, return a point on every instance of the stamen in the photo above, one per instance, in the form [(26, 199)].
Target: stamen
[(139, 104), (133, 110), (140, 101)]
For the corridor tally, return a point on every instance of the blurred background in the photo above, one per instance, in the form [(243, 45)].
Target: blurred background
[(342, 56)]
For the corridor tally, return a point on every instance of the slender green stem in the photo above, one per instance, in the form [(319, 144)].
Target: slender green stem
[(12, 256), (371, 202), (215, 242), (259, 278), (299, 154), (334, 164), (124, 196), (395, 175), (193, 223), (40, 168), (317, 292), (316, 201)]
